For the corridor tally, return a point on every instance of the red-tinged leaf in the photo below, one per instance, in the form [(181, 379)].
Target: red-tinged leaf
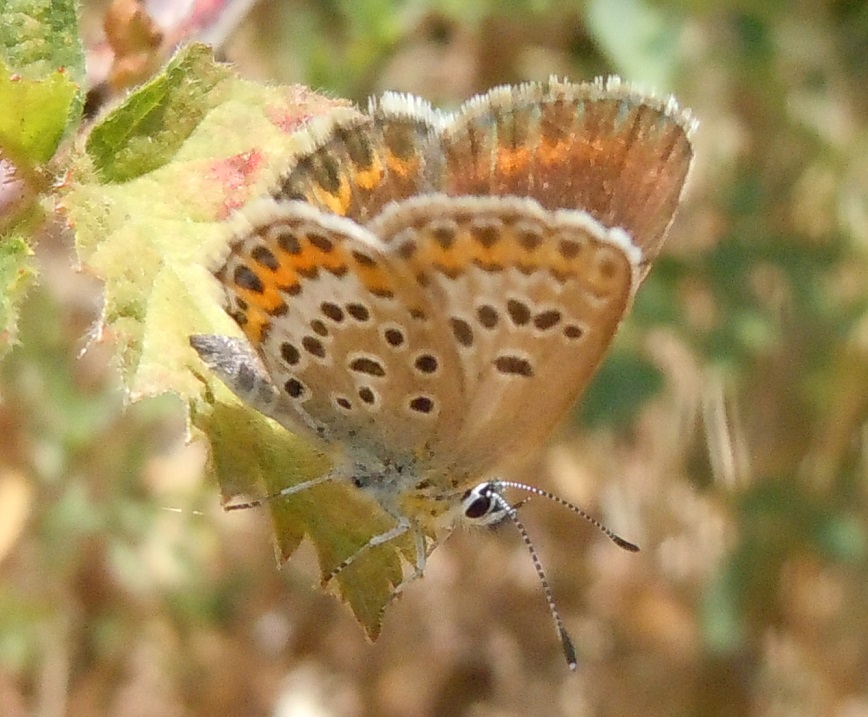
[(149, 194)]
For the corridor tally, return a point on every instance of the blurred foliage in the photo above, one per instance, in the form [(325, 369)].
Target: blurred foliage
[(41, 77), (731, 447)]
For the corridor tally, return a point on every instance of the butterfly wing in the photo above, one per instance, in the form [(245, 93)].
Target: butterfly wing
[(603, 147), (503, 245), (559, 197), (343, 331), (352, 164), (531, 298)]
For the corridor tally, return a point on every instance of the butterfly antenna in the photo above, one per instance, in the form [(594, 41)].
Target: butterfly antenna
[(616, 539), (282, 493), (566, 642)]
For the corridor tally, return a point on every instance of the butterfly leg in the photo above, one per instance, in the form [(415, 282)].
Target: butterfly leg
[(421, 562), (282, 493), (402, 526)]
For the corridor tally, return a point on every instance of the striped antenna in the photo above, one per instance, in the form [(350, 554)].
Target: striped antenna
[(485, 505)]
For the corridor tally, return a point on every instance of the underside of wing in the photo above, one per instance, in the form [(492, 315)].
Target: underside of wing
[(604, 148), (353, 164), (342, 329), (532, 299)]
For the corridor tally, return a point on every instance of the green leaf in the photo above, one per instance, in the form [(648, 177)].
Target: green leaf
[(149, 196), (41, 76), (145, 132), (40, 37), (41, 72), (337, 519), (34, 115)]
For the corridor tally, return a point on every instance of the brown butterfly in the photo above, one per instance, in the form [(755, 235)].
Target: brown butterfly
[(427, 294)]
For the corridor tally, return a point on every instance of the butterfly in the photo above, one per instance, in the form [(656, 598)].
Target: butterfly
[(426, 294)]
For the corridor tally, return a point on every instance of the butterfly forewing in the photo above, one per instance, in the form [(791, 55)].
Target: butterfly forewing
[(604, 148), (344, 332), (532, 299)]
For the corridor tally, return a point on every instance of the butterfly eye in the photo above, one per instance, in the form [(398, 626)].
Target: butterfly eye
[(477, 507), (483, 505)]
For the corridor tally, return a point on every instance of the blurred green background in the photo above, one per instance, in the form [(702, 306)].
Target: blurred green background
[(726, 432)]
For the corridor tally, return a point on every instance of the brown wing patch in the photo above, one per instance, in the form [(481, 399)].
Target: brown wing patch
[(604, 148), (353, 165)]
